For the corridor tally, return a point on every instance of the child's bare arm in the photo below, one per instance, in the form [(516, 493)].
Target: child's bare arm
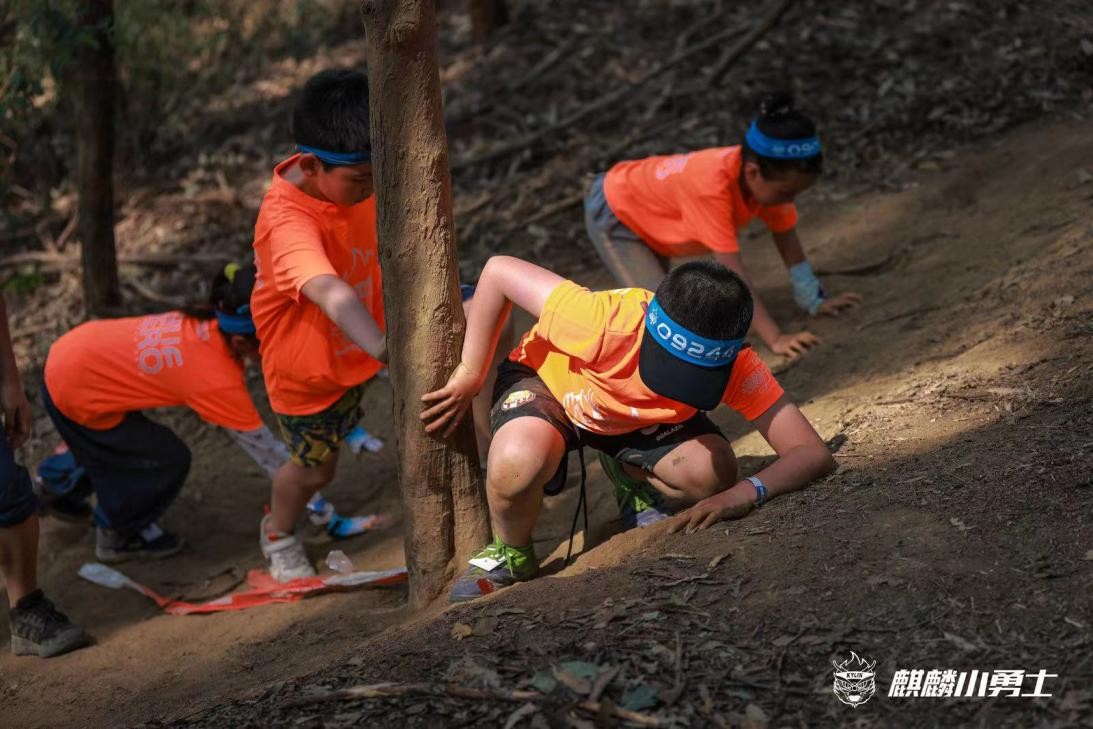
[(762, 322), (13, 400), (505, 281), (806, 287), (340, 303), (802, 458)]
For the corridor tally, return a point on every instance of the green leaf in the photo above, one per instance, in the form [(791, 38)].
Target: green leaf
[(639, 697), (581, 669), (543, 682)]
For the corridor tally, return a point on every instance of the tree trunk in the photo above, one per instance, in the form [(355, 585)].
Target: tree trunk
[(442, 494), (96, 81), (486, 17)]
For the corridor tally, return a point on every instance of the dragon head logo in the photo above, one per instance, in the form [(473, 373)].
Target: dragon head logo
[(855, 680)]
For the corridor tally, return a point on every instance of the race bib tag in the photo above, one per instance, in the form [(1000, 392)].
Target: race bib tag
[(487, 563)]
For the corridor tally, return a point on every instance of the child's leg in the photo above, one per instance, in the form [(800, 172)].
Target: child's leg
[(293, 487), (19, 558), (313, 442), (524, 455), (18, 528), (627, 257), (693, 470), (657, 470)]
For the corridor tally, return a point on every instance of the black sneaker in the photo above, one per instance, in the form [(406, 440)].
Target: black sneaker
[(39, 629), (151, 543)]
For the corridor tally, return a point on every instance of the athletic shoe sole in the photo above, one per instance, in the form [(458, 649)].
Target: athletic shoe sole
[(67, 641)]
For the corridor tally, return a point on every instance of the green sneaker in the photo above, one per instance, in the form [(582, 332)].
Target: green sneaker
[(639, 503), (495, 566)]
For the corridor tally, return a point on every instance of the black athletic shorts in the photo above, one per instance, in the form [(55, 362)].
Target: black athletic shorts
[(519, 392)]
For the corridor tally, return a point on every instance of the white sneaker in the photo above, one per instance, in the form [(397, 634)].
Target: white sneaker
[(285, 554)]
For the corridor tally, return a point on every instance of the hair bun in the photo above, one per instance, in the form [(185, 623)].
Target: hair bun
[(775, 105)]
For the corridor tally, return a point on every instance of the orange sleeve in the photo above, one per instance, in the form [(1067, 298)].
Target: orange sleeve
[(228, 407), (752, 388), (574, 320), (779, 218), (710, 217), (297, 255)]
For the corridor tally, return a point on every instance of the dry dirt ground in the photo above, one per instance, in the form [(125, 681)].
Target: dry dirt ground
[(955, 534)]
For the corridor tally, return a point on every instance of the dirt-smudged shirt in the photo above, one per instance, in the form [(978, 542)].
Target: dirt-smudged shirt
[(689, 204), (307, 360), (585, 348), (101, 370)]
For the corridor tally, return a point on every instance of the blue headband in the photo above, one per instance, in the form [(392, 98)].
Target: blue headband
[(765, 146), (339, 159), (684, 344), (240, 323)]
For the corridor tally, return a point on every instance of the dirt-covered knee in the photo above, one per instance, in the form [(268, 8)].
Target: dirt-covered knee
[(514, 466)]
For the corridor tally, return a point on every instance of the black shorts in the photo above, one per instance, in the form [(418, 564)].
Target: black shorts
[(519, 392)]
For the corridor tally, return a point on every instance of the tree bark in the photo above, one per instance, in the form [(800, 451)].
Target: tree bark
[(443, 498), (486, 17), (96, 81)]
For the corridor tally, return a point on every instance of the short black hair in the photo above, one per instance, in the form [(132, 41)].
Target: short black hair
[(707, 298), (331, 112), (777, 117)]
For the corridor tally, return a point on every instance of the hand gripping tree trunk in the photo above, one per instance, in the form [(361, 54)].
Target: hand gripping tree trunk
[(96, 79), (443, 499)]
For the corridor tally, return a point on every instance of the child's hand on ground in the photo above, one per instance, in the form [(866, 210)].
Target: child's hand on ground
[(450, 403), (16, 413), (735, 503), (794, 345), (837, 304)]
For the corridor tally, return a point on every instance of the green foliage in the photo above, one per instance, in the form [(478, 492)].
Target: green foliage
[(172, 58), (24, 281)]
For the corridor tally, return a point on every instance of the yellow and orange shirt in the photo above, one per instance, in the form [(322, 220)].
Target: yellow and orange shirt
[(689, 204), (101, 370), (585, 348), (307, 361)]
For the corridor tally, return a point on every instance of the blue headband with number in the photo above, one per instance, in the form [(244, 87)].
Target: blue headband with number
[(340, 159), (684, 344), (765, 146)]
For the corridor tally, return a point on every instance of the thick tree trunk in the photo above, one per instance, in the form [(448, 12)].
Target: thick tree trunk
[(486, 17), (96, 81), (442, 494)]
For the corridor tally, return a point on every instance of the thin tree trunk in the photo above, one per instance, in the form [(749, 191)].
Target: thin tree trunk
[(442, 494), (96, 81), (486, 17)]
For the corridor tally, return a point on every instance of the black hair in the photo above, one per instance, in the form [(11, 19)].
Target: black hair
[(331, 112), (230, 294), (707, 298), (777, 117)]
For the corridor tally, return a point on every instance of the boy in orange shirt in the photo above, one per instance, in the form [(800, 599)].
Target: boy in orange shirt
[(642, 213), (628, 373), (37, 627), (318, 300)]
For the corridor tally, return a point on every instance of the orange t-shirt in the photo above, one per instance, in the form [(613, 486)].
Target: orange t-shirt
[(585, 348), (101, 370), (689, 204), (307, 361)]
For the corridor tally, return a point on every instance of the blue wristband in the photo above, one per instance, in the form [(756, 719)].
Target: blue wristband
[(760, 491), (807, 291)]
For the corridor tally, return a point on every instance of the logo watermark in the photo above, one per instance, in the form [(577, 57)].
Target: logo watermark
[(855, 680)]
